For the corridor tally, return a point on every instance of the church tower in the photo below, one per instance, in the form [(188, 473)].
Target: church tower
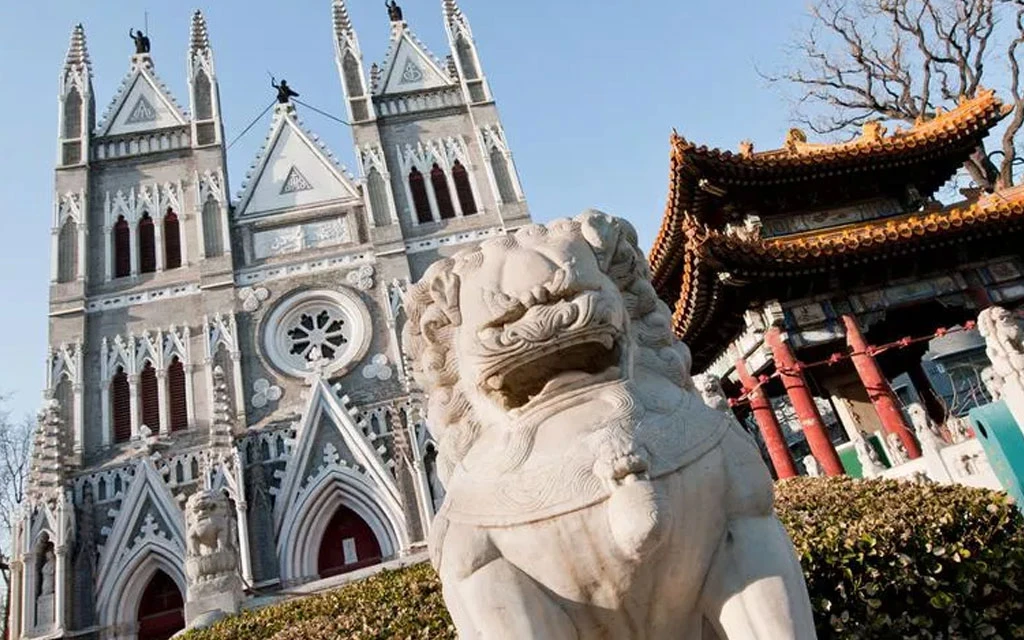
[(431, 147), (248, 348)]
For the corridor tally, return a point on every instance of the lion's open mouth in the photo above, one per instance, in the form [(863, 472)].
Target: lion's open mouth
[(556, 371)]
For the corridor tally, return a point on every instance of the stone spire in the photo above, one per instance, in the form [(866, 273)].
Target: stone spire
[(342, 22), (200, 37), (78, 54), (453, 16), (47, 472), (222, 428)]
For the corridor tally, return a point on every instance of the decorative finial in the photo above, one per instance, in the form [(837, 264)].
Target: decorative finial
[(141, 41), (342, 22), (200, 39), (78, 55), (746, 148), (394, 11)]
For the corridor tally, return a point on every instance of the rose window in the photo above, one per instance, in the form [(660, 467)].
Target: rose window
[(318, 335), (326, 331)]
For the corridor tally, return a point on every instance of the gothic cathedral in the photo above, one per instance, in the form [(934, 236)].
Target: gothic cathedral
[(235, 365)]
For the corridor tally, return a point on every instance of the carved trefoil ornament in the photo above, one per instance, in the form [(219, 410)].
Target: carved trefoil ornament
[(142, 112), (295, 181), (379, 368), (361, 278), (264, 393), (253, 297), (411, 73)]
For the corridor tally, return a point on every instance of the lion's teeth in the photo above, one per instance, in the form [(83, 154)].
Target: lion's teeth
[(495, 381)]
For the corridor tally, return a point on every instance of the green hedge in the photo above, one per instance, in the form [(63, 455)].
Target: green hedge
[(883, 560), (900, 560)]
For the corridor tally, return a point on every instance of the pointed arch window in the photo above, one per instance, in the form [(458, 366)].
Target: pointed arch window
[(121, 406), (67, 251), (161, 608), (176, 395), (378, 198), (147, 244), (73, 114), (122, 248), (172, 240), (213, 238), (444, 197), (463, 189), (149, 394), (65, 396), (502, 176), (203, 96), (466, 60), (420, 201), (353, 81)]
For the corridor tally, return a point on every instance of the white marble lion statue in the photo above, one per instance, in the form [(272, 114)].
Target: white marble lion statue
[(590, 491)]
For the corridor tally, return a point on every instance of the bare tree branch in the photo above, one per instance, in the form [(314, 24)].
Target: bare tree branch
[(900, 61)]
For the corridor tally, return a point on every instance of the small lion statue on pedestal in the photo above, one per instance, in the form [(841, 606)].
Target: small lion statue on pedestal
[(590, 491), (211, 558)]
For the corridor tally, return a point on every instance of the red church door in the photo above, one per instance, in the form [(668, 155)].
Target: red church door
[(348, 544), (161, 611)]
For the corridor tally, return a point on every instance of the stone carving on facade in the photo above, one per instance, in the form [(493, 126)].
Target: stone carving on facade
[(264, 393), (253, 297), (897, 451), (361, 278), (959, 430), (379, 368), (812, 467), (211, 558), (870, 462), (710, 388), (993, 383), (923, 428), (562, 408), (1004, 340)]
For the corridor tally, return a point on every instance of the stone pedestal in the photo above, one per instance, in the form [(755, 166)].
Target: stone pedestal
[(1013, 394), (44, 612), (211, 604)]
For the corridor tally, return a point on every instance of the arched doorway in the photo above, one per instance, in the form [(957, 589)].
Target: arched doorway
[(161, 609), (348, 544)]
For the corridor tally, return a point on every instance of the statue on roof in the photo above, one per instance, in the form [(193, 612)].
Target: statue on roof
[(141, 41), (394, 11), (284, 92)]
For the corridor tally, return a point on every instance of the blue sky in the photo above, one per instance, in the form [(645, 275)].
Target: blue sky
[(589, 92)]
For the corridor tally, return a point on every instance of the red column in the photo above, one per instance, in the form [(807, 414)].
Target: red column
[(878, 388), (774, 439), (803, 403)]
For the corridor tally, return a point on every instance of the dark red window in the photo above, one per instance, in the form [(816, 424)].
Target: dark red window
[(348, 544), (462, 189), (161, 610), (419, 196), (172, 241), (122, 248), (444, 197), (147, 245), (176, 395), (121, 406), (149, 394)]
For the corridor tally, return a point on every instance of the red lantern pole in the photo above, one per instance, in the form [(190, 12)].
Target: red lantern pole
[(803, 403), (879, 391), (774, 439)]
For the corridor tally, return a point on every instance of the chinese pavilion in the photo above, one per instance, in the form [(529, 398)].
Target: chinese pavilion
[(809, 277)]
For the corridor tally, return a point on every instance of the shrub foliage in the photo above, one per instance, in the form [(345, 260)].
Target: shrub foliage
[(899, 560), (882, 559)]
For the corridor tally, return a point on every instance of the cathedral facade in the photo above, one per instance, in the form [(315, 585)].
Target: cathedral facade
[(247, 347)]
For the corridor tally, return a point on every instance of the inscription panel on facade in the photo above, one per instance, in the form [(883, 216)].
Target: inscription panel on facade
[(861, 212), (295, 238)]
